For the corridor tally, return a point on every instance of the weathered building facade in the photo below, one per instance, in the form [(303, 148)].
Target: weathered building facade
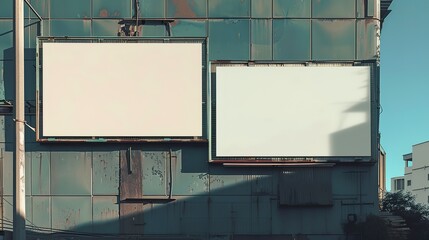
[(190, 188)]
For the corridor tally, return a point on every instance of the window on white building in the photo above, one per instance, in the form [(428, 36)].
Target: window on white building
[(399, 184), (408, 182)]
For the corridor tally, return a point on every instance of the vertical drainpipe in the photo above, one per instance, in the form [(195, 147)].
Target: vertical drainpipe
[(19, 166)]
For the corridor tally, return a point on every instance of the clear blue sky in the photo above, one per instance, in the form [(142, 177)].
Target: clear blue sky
[(404, 81)]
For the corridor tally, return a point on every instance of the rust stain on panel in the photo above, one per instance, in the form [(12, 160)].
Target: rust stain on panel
[(183, 9)]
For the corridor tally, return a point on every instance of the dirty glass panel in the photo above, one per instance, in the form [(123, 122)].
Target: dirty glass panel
[(70, 9), (367, 39), (261, 39), (105, 27), (189, 28), (262, 8), (334, 9), (71, 28), (71, 173), (6, 9), (154, 173), (41, 7), (229, 39), (229, 8), (105, 212), (72, 213), (333, 39), (6, 39), (41, 212), (360, 8), (291, 39), (111, 8), (40, 173), (292, 8), (186, 8), (31, 31), (3, 65), (105, 175), (153, 29), (152, 9)]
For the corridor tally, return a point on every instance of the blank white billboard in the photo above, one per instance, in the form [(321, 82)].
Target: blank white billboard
[(267, 111), (122, 89)]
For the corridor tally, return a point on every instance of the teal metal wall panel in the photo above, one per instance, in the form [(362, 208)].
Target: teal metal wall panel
[(186, 8), (292, 8), (71, 173), (28, 174), (229, 39), (230, 214), (111, 8), (105, 175), (105, 212), (72, 213), (229, 183), (70, 9), (261, 46), (154, 173), (333, 39), (157, 218), (7, 161), (2, 86), (8, 211), (105, 27), (262, 184), (291, 39), (153, 30), (40, 173), (2, 126), (367, 39), (360, 8), (262, 8), (188, 221), (229, 8), (41, 206), (41, 6), (189, 28), (75, 28), (30, 80), (6, 38), (261, 214), (334, 8), (31, 31), (152, 8), (6, 10)]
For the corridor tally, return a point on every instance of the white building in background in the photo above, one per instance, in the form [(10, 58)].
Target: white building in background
[(416, 173)]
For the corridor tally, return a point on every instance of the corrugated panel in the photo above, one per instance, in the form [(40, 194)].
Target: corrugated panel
[(105, 213), (229, 8), (105, 173), (262, 33), (152, 8), (333, 39), (291, 39), (6, 38), (70, 9), (189, 28), (262, 184), (230, 214), (229, 184), (27, 173), (261, 215), (367, 39), (71, 28), (41, 213), (186, 8), (111, 8), (72, 213), (292, 9), (305, 186), (229, 39), (71, 173), (105, 27), (40, 173), (7, 159), (262, 8), (154, 173), (333, 9)]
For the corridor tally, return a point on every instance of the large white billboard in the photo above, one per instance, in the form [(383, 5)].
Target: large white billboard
[(270, 111), (122, 89)]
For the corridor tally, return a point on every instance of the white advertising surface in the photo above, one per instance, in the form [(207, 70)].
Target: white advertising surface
[(270, 111), (122, 89)]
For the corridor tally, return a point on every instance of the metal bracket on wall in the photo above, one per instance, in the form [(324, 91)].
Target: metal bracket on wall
[(129, 27)]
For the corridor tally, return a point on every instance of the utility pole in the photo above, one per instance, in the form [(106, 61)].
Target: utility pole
[(19, 166)]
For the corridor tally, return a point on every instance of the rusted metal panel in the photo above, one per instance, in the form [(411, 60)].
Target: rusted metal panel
[(111, 8), (333, 39), (333, 9), (189, 28), (229, 8), (261, 46), (186, 8), (71, 173), (155, 173), (70, 9), (262, 8), (291, 39), (291, 9), (40, 173), (152, 9), (70, 27), (105, 175), (229, 39), (105, 212), (367, 31), (305, 187), (72, 213), (41, 213), (230, 214)]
